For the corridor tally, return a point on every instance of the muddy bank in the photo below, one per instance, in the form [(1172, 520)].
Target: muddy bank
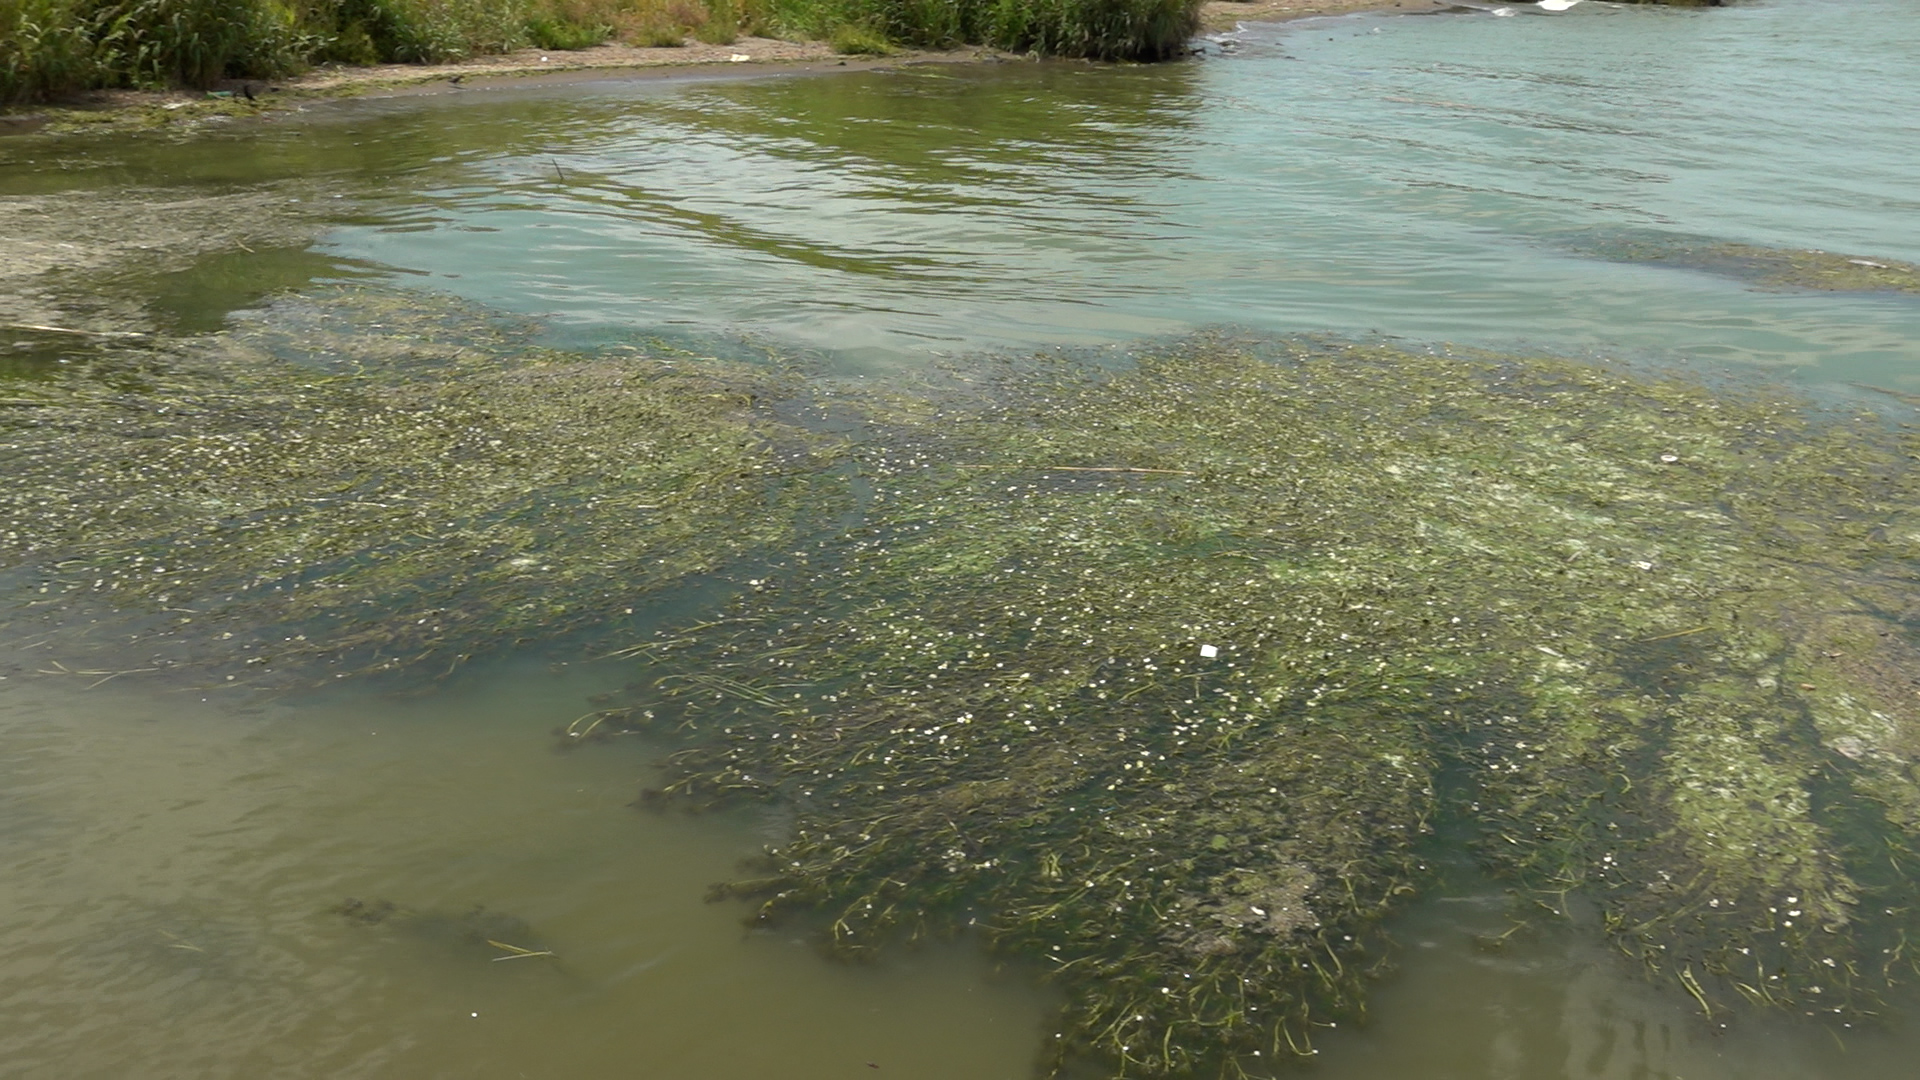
[(235, 100), (1220, 15), (113, 110)]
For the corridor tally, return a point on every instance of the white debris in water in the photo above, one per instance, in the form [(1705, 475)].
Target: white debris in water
[(1209, 651)]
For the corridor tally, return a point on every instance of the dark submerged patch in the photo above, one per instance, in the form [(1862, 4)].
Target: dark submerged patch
[(1772, 268)]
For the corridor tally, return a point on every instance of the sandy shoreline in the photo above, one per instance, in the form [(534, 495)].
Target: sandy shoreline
[(135, 109), (1221, 15)]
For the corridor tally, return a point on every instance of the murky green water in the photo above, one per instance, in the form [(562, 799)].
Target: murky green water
[(171, 865)]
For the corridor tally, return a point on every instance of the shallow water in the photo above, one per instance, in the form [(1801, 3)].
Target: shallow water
[(1433, 178), (170, 864), (1468, 1004)]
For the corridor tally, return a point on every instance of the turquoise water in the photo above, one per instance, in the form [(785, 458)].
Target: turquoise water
[(167, 865), (1432, 178)]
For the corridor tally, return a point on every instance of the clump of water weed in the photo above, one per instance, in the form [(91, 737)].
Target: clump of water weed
[(317, 493), (1150, 674), (66, 253), (1773, 268), (501, 936)]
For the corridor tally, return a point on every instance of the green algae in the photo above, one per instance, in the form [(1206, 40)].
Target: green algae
[(73, 255), (1163, 676), (368, 481), (1772, 268), (1161, 673)]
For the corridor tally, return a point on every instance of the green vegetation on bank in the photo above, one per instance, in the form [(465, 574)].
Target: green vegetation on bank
[(52, 47)]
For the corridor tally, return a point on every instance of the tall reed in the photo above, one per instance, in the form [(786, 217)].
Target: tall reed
[(46, 48)]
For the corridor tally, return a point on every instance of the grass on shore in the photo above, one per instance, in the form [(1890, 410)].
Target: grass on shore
[(53, 47)]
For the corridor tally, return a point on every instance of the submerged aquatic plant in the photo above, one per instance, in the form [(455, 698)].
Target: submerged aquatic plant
[(1773, 268), (1162, 676), (315, 492), (478, 929)]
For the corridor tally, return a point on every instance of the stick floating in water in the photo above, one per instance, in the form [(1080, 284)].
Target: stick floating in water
[(515, 952), (45, 329)]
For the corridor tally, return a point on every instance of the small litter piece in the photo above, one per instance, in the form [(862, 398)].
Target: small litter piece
[(1209, 651), (739, 58)]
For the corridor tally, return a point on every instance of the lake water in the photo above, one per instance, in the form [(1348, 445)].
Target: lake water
[(172, 866)]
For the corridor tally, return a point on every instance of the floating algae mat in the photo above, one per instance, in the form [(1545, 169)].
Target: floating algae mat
[(1164, 676), (76, 260), (367, 480)]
